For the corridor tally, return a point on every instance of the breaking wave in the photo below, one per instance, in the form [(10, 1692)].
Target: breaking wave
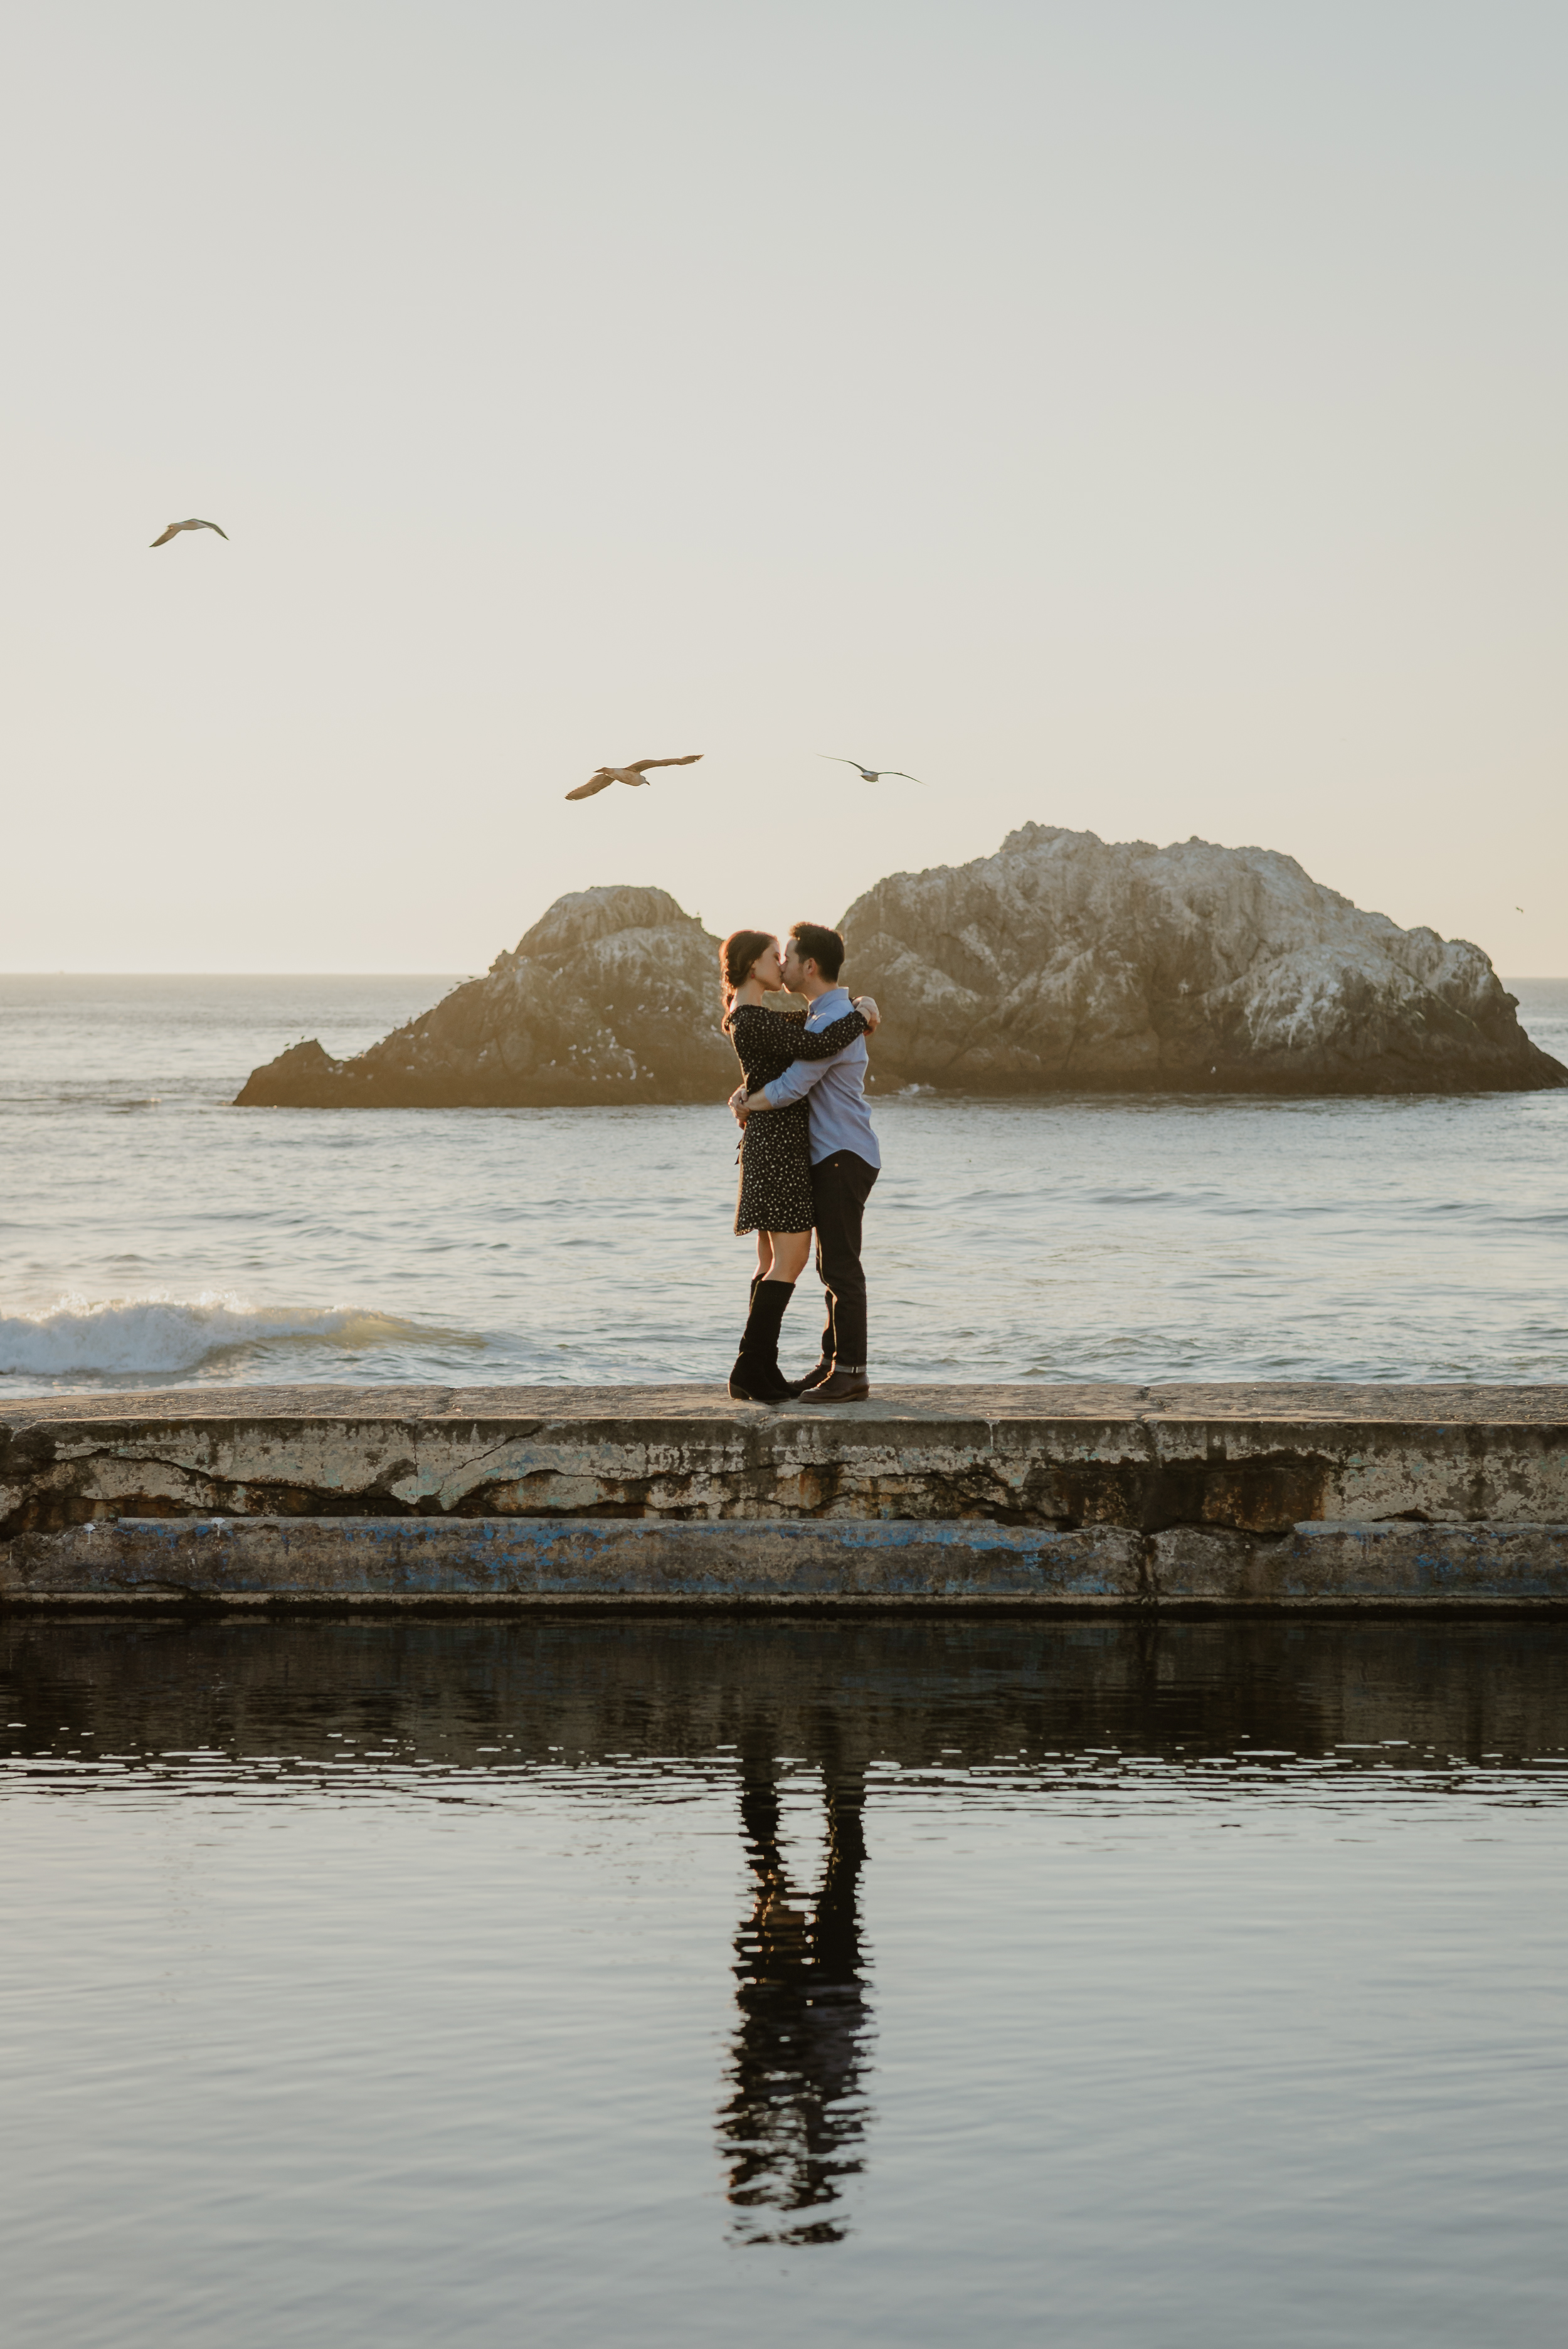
[(176, 1333)]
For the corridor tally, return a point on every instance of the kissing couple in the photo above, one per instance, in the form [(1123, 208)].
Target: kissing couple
[(807, 1154)]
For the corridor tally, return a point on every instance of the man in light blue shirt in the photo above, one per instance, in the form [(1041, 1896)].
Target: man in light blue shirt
[(845, 1160)]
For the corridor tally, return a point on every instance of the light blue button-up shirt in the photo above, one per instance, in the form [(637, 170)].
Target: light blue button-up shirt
[(835, 1089)]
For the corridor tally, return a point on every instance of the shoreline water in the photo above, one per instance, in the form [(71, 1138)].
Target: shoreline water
[(152, 1233)]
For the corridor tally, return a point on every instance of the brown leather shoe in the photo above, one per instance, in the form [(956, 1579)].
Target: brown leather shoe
[(844, 1386), (814, 1378)]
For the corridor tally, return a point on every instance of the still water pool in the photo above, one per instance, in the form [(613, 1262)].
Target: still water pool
[(686, 1981)]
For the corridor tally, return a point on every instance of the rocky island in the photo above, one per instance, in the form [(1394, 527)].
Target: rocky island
[(1062, 964), (1065, 963), (613, 996)]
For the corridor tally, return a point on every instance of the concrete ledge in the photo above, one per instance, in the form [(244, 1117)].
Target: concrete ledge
[(1071, 1496), (1247, 1459), (292, 1561), (502, 1559), (1350, 1564)]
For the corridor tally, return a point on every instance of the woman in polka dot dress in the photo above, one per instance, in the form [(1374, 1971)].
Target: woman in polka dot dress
[(775, 1199)]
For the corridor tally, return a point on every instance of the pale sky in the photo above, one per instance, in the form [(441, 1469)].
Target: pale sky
[(1140, 415)]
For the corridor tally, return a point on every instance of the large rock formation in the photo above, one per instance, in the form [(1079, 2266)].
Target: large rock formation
[(612, 997), (1060, 964), (1064, 963)]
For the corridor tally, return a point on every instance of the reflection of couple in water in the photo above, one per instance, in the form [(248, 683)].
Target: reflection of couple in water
[(791, 2129), (807, 1154)]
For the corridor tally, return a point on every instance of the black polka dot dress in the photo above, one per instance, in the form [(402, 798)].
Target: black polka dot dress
[(775, 1149)]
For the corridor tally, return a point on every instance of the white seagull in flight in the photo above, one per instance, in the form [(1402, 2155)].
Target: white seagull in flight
[(635, 773), (175, 527), (871, 774)]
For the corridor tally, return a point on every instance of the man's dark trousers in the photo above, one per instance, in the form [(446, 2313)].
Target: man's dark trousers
[(841, 1185)]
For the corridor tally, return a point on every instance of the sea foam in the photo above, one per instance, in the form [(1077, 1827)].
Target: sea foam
[(176, 1333)]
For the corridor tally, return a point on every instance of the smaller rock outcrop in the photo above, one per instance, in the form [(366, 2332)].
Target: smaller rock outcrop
[(613, 996)]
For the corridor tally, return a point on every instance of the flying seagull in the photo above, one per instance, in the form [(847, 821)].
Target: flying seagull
[(175, 527), (871, 774), (635, 773)]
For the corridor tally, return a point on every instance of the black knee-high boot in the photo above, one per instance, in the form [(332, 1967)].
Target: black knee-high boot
[(756, 1377)]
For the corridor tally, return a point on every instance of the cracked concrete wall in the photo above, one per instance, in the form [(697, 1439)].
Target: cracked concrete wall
[(1146, 1470), (1082, 1496)]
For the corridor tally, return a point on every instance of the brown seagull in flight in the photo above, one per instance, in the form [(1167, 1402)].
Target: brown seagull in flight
[(636, 773), (175, 527), (869, 774)]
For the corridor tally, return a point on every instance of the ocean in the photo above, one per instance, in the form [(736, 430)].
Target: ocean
[(151, 1233)]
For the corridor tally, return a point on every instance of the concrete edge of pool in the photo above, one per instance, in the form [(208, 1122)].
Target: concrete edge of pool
[(1075, 1498)]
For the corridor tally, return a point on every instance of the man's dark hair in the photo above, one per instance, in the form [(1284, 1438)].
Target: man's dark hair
[(814, 942)]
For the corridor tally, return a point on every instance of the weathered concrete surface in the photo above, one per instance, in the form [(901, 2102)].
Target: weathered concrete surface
[(403, 1558), (242, 1561), (1096, 1496)]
